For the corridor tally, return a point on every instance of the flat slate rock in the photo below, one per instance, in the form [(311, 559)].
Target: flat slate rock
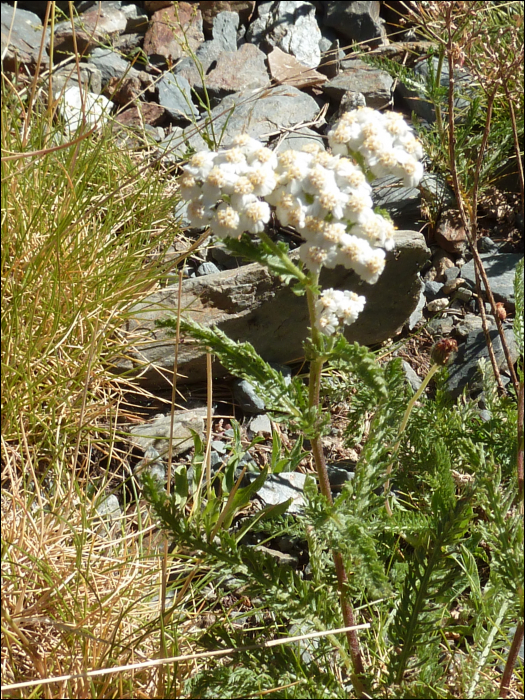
[(25, 38), (278, 488), (374, 84), (250, 304), (464, 371), (501, 270), (260, 113)]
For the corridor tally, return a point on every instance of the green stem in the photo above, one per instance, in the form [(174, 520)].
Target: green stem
[(316, 366), (283, 257), (431, 372)]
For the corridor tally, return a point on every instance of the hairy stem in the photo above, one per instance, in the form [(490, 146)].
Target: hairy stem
[(316, 367)]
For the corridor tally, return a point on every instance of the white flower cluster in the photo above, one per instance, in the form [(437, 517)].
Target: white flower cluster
[(325, 197), (335, 308), (383, 140), (224, 187)]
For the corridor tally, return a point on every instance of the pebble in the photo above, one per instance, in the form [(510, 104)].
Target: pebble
[(438, 305)]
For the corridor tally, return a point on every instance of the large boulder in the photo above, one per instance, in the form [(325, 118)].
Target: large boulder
[(250, 304)]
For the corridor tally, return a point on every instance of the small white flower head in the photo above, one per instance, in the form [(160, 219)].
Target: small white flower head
[(312, 227), (198, 214), (263, 180), (226, 223), (395, 124), (358, 206), (330, 203), (349, 177), (243, 185), (335, 308), (200, 164), (255, 216), (376, 229), (232, 160), (241, 201), (314, 257), (247, 144), (189, 188)]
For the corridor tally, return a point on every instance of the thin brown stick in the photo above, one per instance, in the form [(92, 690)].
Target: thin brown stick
[(511, 660), (470, 222)]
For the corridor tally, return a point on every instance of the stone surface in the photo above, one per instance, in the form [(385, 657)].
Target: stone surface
[(260, 425), (291, 26), (374, 84), (501, 270), (304, 136), (231, 72), (358, 21), (412, 378), (210, 10), (415, 99), (260, 115), (24, 33), (433, 290), (111, 65), (464, 370), (155, 434), (417, 313), (169, 28), (278, 488), (174, 94), (286, 69), (402, 203), (249, 304), (246, 397), (438, 305), (90, 78), (92, 28)]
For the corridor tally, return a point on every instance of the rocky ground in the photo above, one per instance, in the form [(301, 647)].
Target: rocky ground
[(278, 71)]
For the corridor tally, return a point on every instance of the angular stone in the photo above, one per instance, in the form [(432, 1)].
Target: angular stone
[(92, 28), (260, 115), (174, 93), (358, 21), (292, 27), (501, 270), (211, 9), (90, 78), (375, 84), (25, 37), (278, 488), (232, 72), (224, 31), (170, 27), (111, 65), (297, 139), (287, 70), (155, 434), (464, 371), (142, 113), (250, 304)]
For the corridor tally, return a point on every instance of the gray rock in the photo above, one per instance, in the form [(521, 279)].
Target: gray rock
[(433, 290), (464, 370), (207, 268), (338, 476), (260, 424), (463, 295), (25, 36), (137, 19), (297, 139), (375, 84), (437, 192), (224, 31), (292, 27), (155, 434), (219, 446), (90, 78), (109, 508), (415, 99), (111, 65), (278, 488), (259, 115), (251, 305), (246, 397), (441, 326), (487, 245), (175, 96), (402, 203), (417, 314), (451, 273), (472, 323), (412, 378), (501, 270), (358, 21), (91, 29), (226, 72)]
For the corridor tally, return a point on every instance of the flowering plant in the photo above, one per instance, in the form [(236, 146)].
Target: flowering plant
[(327, 199)]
